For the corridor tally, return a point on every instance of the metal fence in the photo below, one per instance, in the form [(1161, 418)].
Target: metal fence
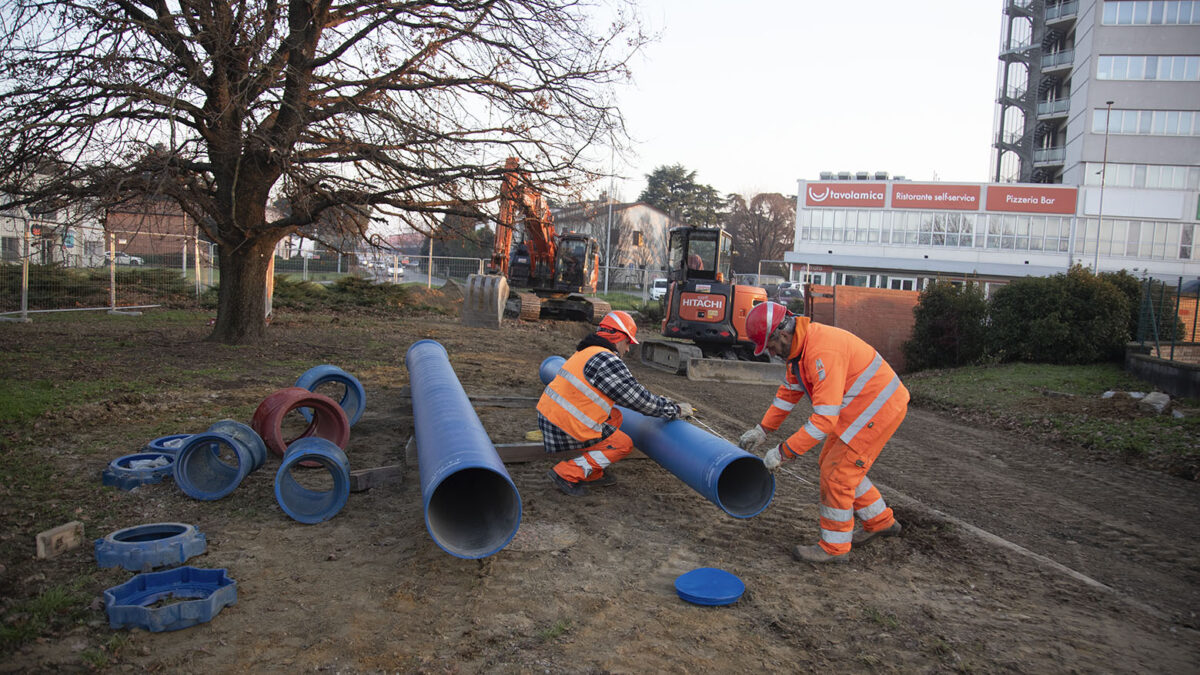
[(182, 270), (1168, 319)]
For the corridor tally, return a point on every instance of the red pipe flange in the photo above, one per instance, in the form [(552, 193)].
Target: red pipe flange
[(329, 420)]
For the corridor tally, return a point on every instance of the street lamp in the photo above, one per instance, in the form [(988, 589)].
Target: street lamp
[(1103, 175)]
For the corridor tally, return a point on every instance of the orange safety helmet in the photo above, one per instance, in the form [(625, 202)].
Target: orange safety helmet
[(762, 321), (619, 322)]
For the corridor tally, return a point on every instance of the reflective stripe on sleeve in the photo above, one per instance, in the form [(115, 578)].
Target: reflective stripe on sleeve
[(826, 409), (573, 411), (835, 537), (869, 413), (838, 515), (812, 430), (794, 387), (586, 390), (782, 404)]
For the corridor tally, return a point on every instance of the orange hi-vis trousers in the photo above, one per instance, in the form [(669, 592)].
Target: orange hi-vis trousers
[(595, 459), (846, 491)]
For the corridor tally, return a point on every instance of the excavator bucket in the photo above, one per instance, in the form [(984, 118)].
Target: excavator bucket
[(483, 302)]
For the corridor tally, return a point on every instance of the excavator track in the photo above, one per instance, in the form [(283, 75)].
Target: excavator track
[(600, 308), (669, 356), (531, 306)]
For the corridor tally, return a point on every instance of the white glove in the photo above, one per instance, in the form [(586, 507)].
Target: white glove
[(685, 410), (772, 460), (752, 438)]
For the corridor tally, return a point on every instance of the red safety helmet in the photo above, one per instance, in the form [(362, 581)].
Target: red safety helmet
[(619, 322), (762, 321)]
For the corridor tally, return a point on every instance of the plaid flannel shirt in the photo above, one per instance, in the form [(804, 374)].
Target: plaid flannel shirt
[(608, 373)]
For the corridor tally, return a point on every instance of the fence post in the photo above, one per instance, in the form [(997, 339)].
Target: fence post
[(24, 317), (1175, 320), (196, 251)]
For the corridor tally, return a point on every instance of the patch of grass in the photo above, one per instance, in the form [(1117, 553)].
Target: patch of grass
[(100, 658), (882, 618), (559, 628), (55, 608), (1015, 396), (24, 400)]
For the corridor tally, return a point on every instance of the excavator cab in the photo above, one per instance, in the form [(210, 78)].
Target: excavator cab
[(578, 264), (703, 304)]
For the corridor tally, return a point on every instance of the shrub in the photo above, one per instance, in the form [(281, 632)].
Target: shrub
[(1068, 318), (949, 327)]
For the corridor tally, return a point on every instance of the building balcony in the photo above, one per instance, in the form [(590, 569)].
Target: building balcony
[(1056, 108), (1049, 155), (1062, 11), (1058, 60)]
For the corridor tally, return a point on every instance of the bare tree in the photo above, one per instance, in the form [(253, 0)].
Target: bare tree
[(404, 109), (763, 228)]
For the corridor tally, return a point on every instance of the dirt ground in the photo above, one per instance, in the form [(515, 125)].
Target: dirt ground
[(1015, 556)]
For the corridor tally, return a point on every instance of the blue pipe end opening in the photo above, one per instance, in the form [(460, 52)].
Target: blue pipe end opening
[(473, 513), (210, 465), (745, 488), (302, 503)]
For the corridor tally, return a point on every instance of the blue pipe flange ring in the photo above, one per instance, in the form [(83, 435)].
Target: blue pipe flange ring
[(249, 437), (201, 471), (202, 593), (144, 547), (168, 445), (353, 401), (140, 468), (304, 504)]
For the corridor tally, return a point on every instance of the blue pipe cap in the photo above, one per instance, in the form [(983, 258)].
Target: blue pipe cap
[(142, 468), (144, 547), (709, 586)]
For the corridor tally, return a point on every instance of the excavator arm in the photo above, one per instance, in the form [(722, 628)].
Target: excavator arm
[(517, 195)]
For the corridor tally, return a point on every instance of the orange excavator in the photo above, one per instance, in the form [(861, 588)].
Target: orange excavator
[(705, 313), (544, 274)]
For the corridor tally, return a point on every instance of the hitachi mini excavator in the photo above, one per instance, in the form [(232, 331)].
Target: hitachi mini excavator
[(705, 308), (544, 274)]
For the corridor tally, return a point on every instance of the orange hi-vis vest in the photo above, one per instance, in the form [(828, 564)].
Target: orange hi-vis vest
[(854, 392), (572, 404)]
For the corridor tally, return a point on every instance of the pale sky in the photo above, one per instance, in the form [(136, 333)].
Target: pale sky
[(756, 94)]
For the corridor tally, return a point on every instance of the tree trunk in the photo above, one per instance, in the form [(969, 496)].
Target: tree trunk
[(241, 309)]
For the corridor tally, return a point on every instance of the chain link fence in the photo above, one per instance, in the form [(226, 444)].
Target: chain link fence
[(1168, 319)]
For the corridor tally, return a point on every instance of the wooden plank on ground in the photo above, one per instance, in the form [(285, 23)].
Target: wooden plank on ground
[(362, 480)]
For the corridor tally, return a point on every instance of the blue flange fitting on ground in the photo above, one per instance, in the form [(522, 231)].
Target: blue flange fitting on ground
[(201, 472), (145, 547), (123, 472), (169, 445), (243, 433), (301, 503), (202, 594), (354, 401)]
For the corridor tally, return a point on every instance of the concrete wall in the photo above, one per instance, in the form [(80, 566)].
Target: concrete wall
[(1176, 378)]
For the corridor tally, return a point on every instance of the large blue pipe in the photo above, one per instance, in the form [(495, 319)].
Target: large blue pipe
[(721, 472), (472, 508)]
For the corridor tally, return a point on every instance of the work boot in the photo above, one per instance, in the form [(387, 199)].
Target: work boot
[(815, 554), (862, 536), (566, 486), (604, 480)]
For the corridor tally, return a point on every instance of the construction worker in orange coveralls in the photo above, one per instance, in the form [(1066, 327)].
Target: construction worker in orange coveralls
[(858, 403), (578, 409)]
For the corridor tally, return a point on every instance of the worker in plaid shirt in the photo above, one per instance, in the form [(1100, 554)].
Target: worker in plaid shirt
[(577, 411)]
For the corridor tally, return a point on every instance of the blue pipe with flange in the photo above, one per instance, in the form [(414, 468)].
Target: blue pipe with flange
[(720, 471), (304, 504), (472, 507)]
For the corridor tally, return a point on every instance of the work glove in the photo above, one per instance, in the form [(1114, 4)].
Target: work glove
[(772, 459), (686, 411), (752, 438)]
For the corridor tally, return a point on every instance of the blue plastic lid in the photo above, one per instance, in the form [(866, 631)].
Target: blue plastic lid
[(709, 586)]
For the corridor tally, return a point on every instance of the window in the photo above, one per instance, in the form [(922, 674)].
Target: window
[(638, 240), (1150, 13), (1179, 68)]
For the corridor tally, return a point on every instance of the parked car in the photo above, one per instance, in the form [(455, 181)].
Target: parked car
[(658, 288), (789, 291), (395, 270), (123, 258)]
